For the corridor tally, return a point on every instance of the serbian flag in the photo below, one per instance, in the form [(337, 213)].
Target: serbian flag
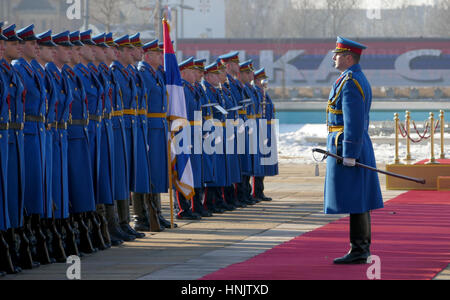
[(181, 164)]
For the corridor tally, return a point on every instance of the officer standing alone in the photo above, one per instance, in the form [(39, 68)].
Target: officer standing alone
[(351, 190)]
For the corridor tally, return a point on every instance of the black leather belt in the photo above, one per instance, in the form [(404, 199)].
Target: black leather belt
[(95, 118), (107, 116), (36, 119), (52, 125), (16, 126), (62, 125), (82, 122), (4, 126)]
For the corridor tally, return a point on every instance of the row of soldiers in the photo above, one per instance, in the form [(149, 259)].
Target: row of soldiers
[(83, 134)]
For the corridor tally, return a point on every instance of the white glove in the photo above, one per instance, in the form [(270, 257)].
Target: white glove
[(349, 162)]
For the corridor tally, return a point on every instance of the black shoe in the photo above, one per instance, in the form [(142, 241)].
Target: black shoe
[(188, 216), (140, 225), (42, 254), (85, 239), (166, 223), (117, 233), (204, 213), (249, 202), (353, 259), (69, 238), (25, 258), (57, 245), (96, 232), (116, 242), (130, 231), (218, 210), (227, 207), (6, 264)]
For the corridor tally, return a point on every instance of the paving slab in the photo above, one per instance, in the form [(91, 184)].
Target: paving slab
[(198, 248)]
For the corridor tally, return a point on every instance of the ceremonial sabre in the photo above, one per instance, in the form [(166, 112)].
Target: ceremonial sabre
[(337, 157)]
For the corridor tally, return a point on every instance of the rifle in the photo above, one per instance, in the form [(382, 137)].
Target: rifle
[(339, 158)]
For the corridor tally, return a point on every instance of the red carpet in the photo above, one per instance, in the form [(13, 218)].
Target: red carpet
[(441, 161), (411, 235)]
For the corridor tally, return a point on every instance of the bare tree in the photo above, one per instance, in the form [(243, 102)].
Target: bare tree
[(337, 13), (106, 12)]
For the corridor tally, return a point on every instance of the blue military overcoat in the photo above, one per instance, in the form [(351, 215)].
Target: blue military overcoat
[(142, 181), (157, 127), (95, 93), (268, 114), (81, 183), (127, 94), (16, 156), (51, 95), (4, 123), (237, 90), (60, 185), (34, 130), (232, 157), (208, 160), (106, 182), (193, 105), (351, 190), (219, 135)]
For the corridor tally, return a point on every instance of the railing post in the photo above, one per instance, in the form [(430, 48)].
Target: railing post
[(442, 116), (396, 119)]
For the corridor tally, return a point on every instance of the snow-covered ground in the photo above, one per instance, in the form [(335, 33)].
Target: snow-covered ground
[(296, 146)]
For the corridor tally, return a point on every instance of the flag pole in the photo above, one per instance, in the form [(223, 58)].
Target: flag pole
[(169, 155)]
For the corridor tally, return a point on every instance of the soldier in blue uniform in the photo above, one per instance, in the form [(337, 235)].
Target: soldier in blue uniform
[(60, 186), (184, 206), (34, 141), (268, 114), (157, 129), (208, 160), (81, 183), (355, 191), (233, 162), (106, 148), (253, 113), (119, 151), (94, 94), (128, 94), (143, 185), (46, 54), (215, 200), (231, 62), (6, 251)]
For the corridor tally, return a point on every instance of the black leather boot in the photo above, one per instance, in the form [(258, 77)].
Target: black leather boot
[(197, 205), (258, 187), (156, 198), (115, 232), (6, 263), (123, 211), (141, 222), (152, 212), (42, 254), (101, 214), (14, 243), (25, 257), (85, 239), (360, 240), (58, 252), (69, 238), (96, 231)]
